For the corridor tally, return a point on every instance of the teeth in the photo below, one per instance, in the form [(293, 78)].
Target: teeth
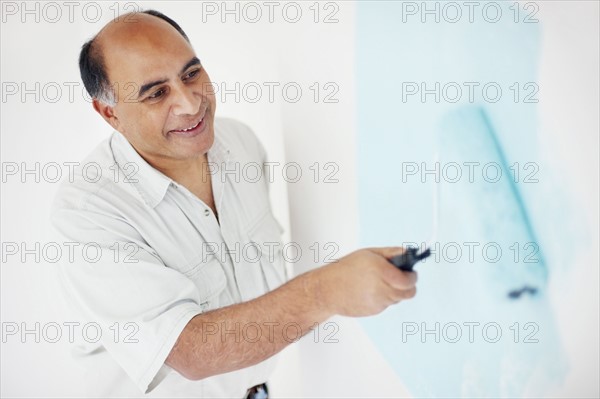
[(190, 128)]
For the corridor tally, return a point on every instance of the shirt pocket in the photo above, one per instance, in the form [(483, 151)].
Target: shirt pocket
[(266, 234), (210, 278)]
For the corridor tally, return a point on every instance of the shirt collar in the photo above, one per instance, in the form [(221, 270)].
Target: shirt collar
[(151, 183)]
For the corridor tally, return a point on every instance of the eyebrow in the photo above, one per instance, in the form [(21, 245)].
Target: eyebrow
[(147, 86)]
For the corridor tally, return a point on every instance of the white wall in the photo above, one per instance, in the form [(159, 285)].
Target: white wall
[(569, 104)]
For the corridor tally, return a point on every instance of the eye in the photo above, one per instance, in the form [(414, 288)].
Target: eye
[(157, 94), (192, 74)]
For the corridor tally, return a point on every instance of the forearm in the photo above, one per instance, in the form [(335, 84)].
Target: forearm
[(242, 335)]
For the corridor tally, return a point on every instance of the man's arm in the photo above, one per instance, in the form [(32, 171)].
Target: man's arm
[(360, 284)]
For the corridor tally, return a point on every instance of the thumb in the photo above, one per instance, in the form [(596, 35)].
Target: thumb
[(388, 252)]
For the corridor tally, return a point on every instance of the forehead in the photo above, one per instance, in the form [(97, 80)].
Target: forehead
[(142, 47)]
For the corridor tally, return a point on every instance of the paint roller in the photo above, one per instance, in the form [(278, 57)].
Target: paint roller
[(486, 206)]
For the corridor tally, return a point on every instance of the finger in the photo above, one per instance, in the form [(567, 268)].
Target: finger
[(401, 280), (407, 294), (400, 295)]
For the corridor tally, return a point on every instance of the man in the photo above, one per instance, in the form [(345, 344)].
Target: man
[(178, 317)]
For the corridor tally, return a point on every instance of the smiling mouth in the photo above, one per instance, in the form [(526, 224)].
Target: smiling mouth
[(191, 131), (191, 127)]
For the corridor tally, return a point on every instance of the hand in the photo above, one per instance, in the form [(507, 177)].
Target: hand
[(365, 283)]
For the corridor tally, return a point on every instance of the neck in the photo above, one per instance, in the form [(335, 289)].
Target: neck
[(193, 174), (189, 172)]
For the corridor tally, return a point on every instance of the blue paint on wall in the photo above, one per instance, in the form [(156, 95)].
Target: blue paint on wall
[(397, 132), (504, 240)]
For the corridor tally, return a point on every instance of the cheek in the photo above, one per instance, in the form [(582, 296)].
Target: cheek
[(206, 89), (150, 123), (212, 99)]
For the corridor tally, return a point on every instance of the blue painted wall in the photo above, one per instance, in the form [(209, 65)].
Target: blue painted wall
[(397, 51)]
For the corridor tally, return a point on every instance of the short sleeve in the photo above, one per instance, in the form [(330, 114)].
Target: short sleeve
[(111, 276)]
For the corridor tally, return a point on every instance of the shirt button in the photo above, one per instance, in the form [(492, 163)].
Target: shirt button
[(206, 212)]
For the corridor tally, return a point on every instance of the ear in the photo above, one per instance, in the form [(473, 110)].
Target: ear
[(107, 112)]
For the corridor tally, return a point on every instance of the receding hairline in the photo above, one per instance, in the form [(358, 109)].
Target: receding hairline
[(92, 57), (100, 37)]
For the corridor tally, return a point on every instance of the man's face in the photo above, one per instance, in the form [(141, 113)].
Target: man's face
[(165, 102)]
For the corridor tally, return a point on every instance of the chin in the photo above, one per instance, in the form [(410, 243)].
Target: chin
[(201, 144)]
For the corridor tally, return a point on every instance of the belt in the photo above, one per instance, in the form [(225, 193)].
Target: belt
[(258, 392)]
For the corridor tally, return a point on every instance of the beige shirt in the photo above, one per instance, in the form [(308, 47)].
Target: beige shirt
[(149, 255)]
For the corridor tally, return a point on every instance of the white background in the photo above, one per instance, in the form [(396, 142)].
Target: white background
[(305, 52)]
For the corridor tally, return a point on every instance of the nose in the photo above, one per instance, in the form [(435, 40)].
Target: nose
[(184, 101)]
